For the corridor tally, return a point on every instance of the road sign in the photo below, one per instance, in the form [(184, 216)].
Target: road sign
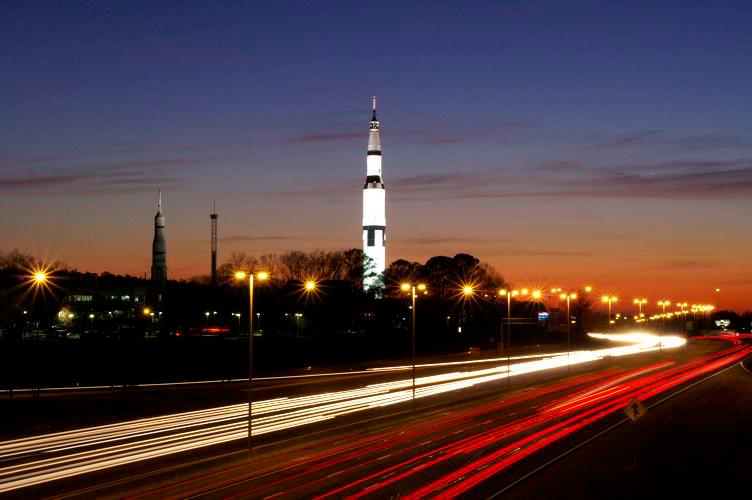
[(635, 410)]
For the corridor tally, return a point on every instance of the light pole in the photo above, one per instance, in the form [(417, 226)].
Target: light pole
[(241, 275), (610, 299), (568, 297), (717, 299), (297, 323), (640, 303), (663, 304), (207, 313), (408, 287), (509, 294)]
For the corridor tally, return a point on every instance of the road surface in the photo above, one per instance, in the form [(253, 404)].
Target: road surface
[(466, 433)]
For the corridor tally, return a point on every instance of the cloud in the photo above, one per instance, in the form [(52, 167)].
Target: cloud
[(116, 177), (676, 179), (432, 134), (326, 137), (664, 138), (689, 264), (604, 141), (229, 239), (543, 253), (442, 240)]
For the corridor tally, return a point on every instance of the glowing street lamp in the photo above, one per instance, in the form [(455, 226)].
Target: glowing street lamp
[(241, 276), (237, 315), (640, 303), (310, 286), (663, 304), (467, 290), (409, 287), (509, 294), (610, 299), (568, 296)]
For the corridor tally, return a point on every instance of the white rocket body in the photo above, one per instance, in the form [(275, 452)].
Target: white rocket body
[(374, 207)]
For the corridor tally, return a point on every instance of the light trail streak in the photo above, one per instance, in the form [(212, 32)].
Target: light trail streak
[(367, 371), (70, 453)]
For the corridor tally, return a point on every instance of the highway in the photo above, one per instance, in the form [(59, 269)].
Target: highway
[(472, 440)]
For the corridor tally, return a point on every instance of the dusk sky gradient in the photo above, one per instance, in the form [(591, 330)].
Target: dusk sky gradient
[(565, 143)]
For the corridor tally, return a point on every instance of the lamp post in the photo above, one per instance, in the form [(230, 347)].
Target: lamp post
[(640, 303), (568, 297), (663, 304), (610, 299), (509, 294), (241, 275), (297, 323), (409, 287)]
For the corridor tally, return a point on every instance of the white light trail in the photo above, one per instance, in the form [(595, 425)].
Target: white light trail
[(38, 459)]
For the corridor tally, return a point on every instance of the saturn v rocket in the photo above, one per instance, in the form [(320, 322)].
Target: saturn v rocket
[(374, 206)]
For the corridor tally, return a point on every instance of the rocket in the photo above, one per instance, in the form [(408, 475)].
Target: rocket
[(159, 247), (374, 205)]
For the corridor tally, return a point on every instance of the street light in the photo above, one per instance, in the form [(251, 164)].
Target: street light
[(508, 294), (569, 296), (297, 323), (664, 304), (409, 287), (640, 303), (610, 299), (241, 275)]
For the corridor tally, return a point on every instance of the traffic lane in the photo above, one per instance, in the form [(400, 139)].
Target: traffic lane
[(694, 444), (25, 415), (28, 415), (160, 440), (115, 476), (326, 466), (307, 483)]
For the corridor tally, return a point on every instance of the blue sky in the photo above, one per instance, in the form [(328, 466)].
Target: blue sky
[(556, 140)]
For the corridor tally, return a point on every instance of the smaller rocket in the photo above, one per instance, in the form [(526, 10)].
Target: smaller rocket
[(159, 247)]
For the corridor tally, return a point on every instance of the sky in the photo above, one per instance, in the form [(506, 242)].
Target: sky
[(565, 143)]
